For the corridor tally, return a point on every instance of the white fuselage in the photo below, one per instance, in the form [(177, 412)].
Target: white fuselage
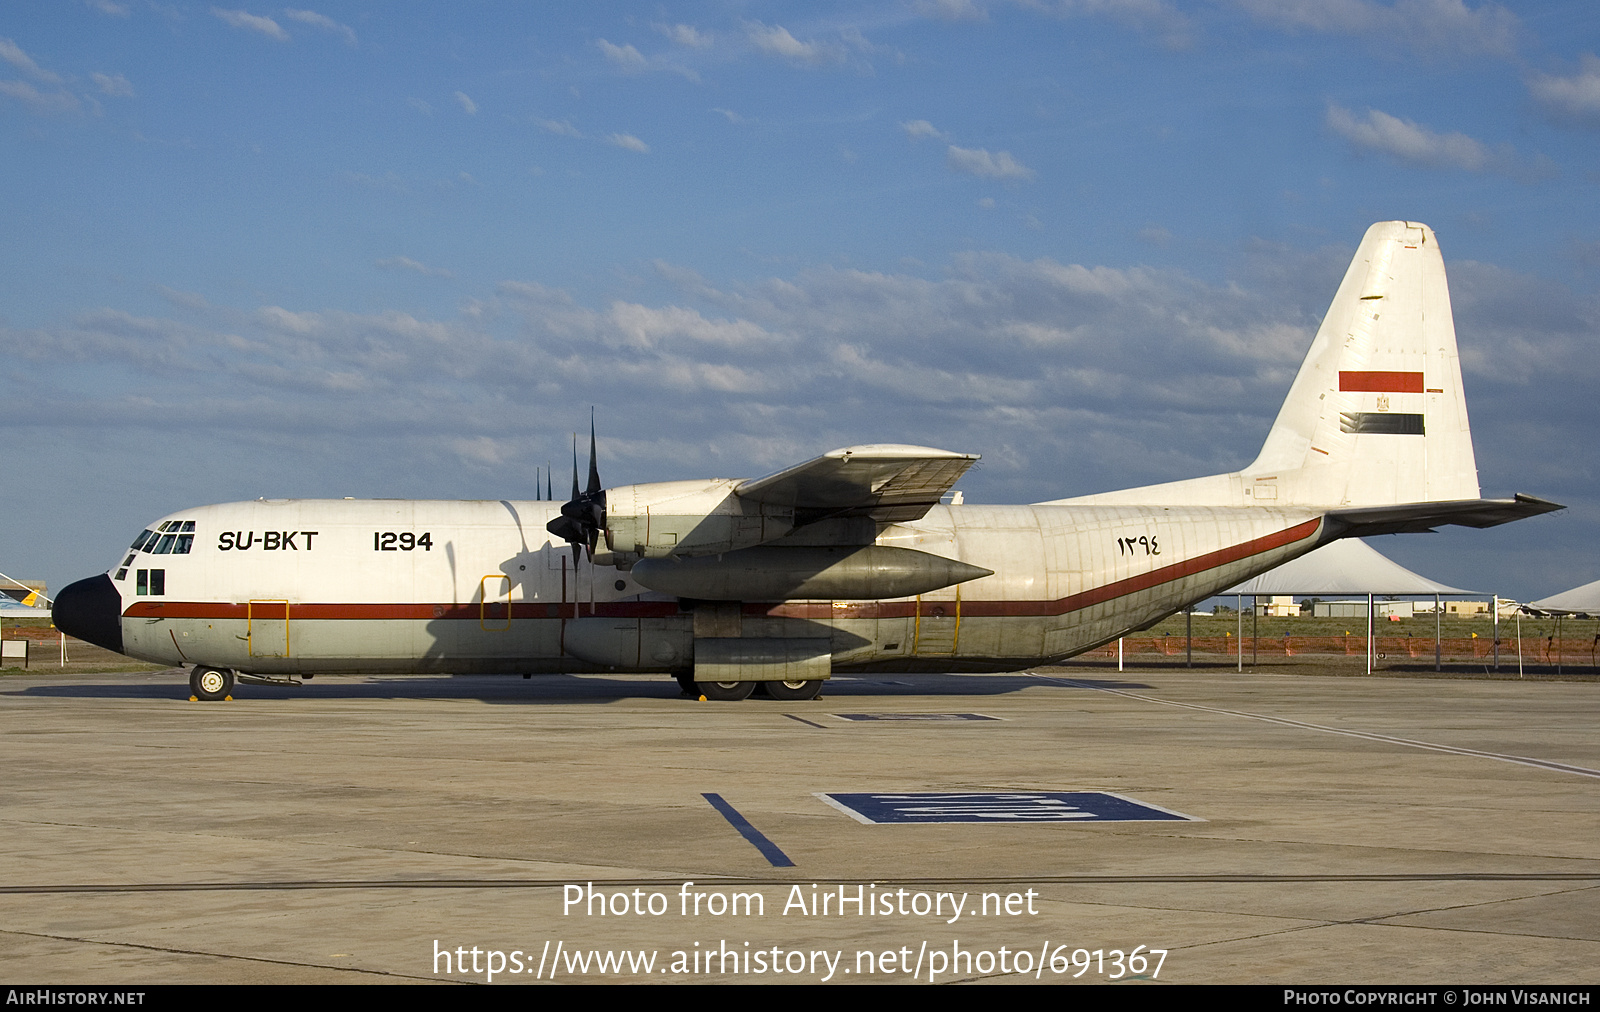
[(327, 586)]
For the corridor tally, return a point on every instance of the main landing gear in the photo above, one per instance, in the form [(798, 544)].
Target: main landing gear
[(733, 691), (210, 684), (795, 690)]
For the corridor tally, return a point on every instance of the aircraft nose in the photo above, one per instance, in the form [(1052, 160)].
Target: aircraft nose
[(91, 610)]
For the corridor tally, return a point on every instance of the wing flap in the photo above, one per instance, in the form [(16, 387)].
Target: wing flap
[(889, 482)]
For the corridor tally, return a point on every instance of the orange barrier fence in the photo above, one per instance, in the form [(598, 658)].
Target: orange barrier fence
[(1540, 650)]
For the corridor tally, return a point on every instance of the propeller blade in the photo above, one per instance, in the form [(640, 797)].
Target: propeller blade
[(575, 492), (594, 466)]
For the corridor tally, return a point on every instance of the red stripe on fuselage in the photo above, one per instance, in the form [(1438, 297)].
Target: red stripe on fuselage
[(1381, 382), (1074, 602), (273, 610)]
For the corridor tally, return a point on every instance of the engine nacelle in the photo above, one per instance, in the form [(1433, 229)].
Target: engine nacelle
[(772, 573), (683, 519)]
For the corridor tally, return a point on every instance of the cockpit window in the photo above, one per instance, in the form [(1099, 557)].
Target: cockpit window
[(166, 539)]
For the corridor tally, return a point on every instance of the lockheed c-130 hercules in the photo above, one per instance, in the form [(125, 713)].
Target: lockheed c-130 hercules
[(846, 563)]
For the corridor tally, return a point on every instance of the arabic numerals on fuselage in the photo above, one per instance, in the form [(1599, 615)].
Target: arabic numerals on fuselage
[(402, 541), (1144, 544)]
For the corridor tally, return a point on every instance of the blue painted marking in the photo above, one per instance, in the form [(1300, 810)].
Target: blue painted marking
[(914, 716), (998, 806), (769, 850)]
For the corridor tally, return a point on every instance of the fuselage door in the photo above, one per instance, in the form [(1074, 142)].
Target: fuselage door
[(937, 632), (267, 628), (494, 602)]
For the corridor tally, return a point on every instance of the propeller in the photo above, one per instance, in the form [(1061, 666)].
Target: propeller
[(583, 516)]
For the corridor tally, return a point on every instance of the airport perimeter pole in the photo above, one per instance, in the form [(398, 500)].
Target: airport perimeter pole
[(1238, 623), (1438, 633), (1369, 634), (1188, 638), (1497, 632)]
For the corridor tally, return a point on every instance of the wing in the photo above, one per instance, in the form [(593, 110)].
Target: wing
[(888, 482)]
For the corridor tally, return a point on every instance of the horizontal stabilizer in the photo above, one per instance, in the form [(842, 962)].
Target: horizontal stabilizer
[(889, 482), (1423, 517)]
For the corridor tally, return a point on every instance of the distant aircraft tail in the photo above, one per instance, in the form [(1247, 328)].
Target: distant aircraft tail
[(1376, 415)]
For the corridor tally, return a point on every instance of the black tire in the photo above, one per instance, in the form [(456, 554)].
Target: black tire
[(686, 683), (211, 684), (726, 692), (789, 691)]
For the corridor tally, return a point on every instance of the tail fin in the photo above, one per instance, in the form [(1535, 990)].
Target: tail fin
[(1376, 415)]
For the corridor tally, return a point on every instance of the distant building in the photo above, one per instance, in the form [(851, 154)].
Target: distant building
[(1278, 606)]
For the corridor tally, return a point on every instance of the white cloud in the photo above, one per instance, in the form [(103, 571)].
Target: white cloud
[(1428, 27), (686, 35), (252, 22), (562, 127), (630, 142), (467, 105), (414, 266), (323, 22), (776, 41), (1416, 144), (980, 162), (1575, 97), (41, 101), (13, 54), (625, 56), (282, 319), (733, 117), (116, 10), (114, 85), (919, 128), (421, 106)]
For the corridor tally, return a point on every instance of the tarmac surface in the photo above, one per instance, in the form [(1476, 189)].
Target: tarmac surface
[(1355, 830)]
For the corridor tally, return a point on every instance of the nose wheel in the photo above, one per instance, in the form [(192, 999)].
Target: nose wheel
[(210, 684)]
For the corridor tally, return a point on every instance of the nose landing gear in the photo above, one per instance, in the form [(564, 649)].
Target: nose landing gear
[(210, 684)]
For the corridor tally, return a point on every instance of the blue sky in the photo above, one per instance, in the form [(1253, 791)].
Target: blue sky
[(398, 249)]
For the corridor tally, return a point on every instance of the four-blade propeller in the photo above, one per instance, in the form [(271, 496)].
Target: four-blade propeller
[(583, 516)]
